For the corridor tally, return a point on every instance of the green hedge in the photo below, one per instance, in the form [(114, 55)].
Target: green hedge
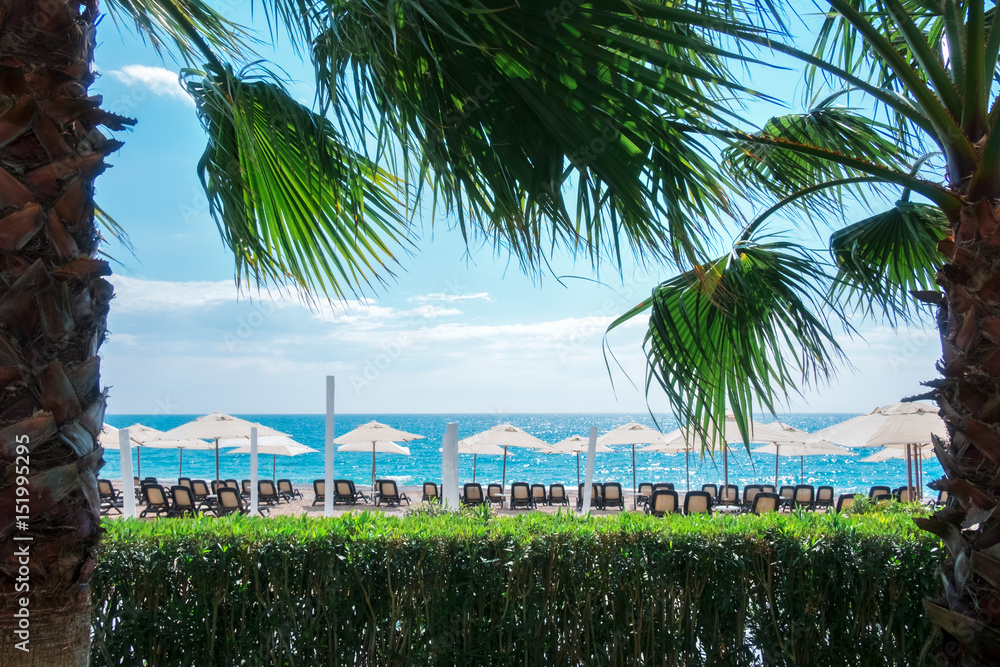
[(368, 589)]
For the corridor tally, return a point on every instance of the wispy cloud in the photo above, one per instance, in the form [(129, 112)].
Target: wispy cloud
[(137, 295), (449, 298), (157, 80)]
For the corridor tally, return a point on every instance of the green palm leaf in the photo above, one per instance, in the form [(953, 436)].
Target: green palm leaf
[(290, 199), (750, 326), (883, 258), (493, 100), (190, 25)]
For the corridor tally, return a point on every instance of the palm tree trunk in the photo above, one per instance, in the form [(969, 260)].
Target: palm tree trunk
[(968, 613), (53, 311)]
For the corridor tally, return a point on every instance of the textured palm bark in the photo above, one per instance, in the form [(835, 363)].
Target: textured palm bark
[(53, 309), (968, 613)]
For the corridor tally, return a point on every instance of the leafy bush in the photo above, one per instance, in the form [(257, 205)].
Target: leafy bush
[(536, 589)]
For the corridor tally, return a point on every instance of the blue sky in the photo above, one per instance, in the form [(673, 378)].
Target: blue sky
[(458, 330)]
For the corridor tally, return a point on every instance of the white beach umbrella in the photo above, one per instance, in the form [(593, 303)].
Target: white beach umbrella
[(906, 424), (632, 434), (108, 438), (802, 450), (898, 453), (476, 451), (275, 445), (384, 446), (576, 444), (216, 426), (180, 444), (505, 435)]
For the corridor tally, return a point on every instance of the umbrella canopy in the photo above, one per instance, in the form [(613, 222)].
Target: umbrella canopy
[(802, 450), (632, 434), (576, 444), (275, 445), (384, 446), (180, 444), (893, 424), (477, 449), (374, 431), (217, 426), (108, 437), (898, 453), (505, 435)]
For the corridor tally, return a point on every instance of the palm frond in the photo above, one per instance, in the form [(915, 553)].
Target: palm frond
[(189, 25), (492, 100), (290, 199), (883, 258), (751, 326)]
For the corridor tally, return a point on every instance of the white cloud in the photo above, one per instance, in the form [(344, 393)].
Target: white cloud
[(440, 296), (137, 295), (157, 80)]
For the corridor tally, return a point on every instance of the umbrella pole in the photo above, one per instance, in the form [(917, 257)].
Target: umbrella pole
[(216, 458), (634, 486), (776, 458), (503, 481), (909, 472), (373, 467), (274, 467), (578, 470), (802, 470), (180, 467), (138, 456), (687, 466), (920, 474), (474, 457), (725, 463)]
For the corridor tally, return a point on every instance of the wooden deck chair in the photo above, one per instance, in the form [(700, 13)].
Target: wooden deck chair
[(183, 502), (663, 501), (267, 492), (766, 502), (538, 494), (111, 498), (613, 496), (824, 496), (729, 496), (750, 491), (230, 502), (288, 491), (877, 493), (430, 493), (520, 496), (804, 496), (319, 491), (697, 502), (390, 494), (156, 499), (844, 501), (557, 495), (472, 494), (494, 495)]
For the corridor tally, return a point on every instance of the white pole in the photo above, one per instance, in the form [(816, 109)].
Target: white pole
[(253, 471), (128, 490), (449, 467), (588, 480), (328, 474)]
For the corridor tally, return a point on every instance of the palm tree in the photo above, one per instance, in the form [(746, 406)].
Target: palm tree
[(314, 198)]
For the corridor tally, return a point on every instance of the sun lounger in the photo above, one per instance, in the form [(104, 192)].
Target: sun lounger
[(824, 497), (183, 502), (844, 501), (472, 494), (663, 501), (905, 494), (216, 485), (557, 495), (595, 497), (230, 502), (939, 502), (539, 495), (156, 499), (765, 502), (199, 488), (729, 496), (697, 502), (804, 496), (749, 492), (880, 493), (520, 496), (111, 498), (642, 495), (768, 488), (613, 496), (787, 494), (494, 494), (319, 491), (267, 492), (286, 489), (712, 489), (345, 493), (245, 488), (389, 493), (430, 493)]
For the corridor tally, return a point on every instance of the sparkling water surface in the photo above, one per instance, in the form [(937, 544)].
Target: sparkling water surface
[(845, 473)]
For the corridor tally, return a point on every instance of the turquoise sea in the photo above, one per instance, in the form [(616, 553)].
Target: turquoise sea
[(845, 473)]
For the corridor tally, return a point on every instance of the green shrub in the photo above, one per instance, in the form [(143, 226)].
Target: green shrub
[(537, 589)]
